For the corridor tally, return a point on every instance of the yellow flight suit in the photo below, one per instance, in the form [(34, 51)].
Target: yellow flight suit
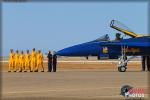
[(22, 62), (17, 63), (36, 53), (40, 61), (33, 60), (27, 62), (11, 61)]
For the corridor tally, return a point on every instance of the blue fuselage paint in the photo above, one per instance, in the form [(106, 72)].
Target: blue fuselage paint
[(136, 46)]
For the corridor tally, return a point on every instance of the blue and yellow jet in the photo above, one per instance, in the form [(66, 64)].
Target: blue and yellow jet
[(137, 45)]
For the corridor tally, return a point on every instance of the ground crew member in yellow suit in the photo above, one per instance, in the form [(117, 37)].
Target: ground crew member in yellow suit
[(36, 53), (22, 61), (11, 60), (17, 63), (27, 61), (40, 61), (33, 60)]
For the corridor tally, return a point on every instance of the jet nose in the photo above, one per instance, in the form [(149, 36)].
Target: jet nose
[(61, 52), (70, 51), (84, 49)]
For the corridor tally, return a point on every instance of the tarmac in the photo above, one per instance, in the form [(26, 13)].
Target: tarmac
[(70, 84)]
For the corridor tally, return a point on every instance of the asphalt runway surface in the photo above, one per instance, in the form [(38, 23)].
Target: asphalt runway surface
[(70, 85)]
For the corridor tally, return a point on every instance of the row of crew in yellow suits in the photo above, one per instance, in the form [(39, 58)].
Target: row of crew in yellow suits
[(26, 61)]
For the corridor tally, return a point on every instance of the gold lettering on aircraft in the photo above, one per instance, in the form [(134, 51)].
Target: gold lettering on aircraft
[(105, 50), (133, 50)]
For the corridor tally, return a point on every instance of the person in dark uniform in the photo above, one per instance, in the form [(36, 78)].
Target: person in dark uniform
[(143, 63), (54, 62), (148, 63), (49, 56)]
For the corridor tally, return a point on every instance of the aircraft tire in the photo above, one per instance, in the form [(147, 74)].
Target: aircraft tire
[(122, 69)]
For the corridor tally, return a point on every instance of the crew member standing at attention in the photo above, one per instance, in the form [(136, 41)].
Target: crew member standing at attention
[(22, 61), (33, 60), (39, 61), (49, 56), (54, 62), (143, 62), (148, 63), (36, 65), (11, 60), (16, 61), (27, 61)]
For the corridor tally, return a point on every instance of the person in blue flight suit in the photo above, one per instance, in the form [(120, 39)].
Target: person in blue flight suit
[(49, 56), (143, 63), (148, 63), (54, 62)]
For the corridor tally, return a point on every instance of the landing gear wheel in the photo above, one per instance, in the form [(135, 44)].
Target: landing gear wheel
[(122, 69)]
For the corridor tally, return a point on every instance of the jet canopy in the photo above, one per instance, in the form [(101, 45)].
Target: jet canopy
[(122, 28)]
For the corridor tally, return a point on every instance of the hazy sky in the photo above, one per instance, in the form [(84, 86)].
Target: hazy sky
[(56, 25)]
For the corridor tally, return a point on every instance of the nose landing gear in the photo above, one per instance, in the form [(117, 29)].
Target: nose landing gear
[(122, 65)]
